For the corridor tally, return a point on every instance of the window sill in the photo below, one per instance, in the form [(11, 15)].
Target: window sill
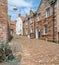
[(45, 34)]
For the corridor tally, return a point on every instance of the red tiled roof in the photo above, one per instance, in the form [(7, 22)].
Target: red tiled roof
[(12, 23)]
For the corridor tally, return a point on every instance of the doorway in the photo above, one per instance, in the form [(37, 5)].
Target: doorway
[(37, 33)]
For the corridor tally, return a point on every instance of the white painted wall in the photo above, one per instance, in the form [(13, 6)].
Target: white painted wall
[(19, 26)]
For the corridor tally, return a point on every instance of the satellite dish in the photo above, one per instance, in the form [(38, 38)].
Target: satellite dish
[(52, 2)]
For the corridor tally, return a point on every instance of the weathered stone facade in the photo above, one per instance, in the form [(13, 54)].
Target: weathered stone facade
[(45, 24), (28, 24), (3, 19)]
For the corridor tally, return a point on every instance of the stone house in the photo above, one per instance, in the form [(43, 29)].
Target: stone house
[(28, 24), (46, 21)]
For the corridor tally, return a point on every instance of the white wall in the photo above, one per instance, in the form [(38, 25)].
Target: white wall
[(19, 26)]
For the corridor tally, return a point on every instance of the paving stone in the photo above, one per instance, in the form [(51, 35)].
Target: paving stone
[(36, 52)]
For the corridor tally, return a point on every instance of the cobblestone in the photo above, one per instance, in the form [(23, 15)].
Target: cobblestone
[(34, 52), (39, 52)]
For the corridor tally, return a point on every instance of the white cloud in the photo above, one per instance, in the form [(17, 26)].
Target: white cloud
[(20, 3)]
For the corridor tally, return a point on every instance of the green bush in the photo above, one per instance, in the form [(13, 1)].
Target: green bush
[(5, 52)]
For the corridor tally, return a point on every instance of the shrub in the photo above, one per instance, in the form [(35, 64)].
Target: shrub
[(5, 52)]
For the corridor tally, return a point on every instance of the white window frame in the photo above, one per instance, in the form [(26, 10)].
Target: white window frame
[(0, 26), (45, 29), (26, 22), (39, 16), (47, 12)]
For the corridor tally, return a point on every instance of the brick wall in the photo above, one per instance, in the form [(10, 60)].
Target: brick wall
[(3, 19), (13, 27), (50, 21), (24, 28)]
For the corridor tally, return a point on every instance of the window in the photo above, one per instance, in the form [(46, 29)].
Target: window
[(31, 29), (45, 29), (26, 22), (26, 31), (47, 12), (38, 16), (31, 20), (0, 27)]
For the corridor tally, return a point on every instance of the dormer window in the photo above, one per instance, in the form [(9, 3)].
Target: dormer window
[(47, 12), (39, 16), (31, 20)]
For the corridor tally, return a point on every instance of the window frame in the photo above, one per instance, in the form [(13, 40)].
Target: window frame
[(48, 12), (39, 16), (45, 29)]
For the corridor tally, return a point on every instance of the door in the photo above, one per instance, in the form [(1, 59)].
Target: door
[(37, 33)]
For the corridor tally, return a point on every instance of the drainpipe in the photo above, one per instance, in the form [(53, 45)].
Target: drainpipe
[(52, 3), (53, 21), (34, 26)]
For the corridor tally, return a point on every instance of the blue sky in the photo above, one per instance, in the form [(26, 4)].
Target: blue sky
[(23, 7)]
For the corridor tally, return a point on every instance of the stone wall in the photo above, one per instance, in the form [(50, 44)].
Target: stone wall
[(3, 19), (52, 21), (40, 24)]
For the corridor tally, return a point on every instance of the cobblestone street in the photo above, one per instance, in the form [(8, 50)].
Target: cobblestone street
[(39, 52), (34, 52)]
